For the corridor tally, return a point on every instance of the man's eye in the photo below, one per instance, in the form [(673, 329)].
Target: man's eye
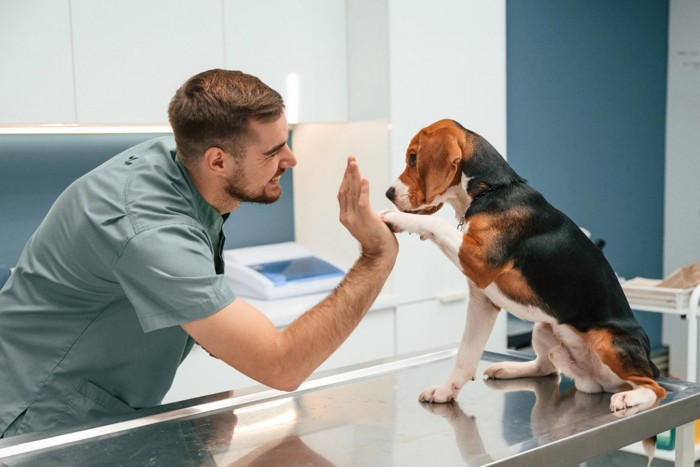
[(412, 160)]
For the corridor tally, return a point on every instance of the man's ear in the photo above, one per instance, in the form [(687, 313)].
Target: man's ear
[(215, 159)]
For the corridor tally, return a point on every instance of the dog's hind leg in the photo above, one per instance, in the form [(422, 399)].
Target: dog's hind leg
[(481, 317), (543, 340), (625, 356)]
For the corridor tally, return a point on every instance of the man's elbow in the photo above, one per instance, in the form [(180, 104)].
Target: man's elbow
[(287, 386), (287, 381), (284, 379)]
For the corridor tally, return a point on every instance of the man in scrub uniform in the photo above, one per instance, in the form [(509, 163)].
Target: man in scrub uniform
[(125, 271)]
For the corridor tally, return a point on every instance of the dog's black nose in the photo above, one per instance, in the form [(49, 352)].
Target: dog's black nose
[(390, 193)]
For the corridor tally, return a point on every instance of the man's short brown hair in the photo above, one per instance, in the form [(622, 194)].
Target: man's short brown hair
[(214, 108)]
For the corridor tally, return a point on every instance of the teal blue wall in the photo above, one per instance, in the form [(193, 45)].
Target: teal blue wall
[(35, 169), (586, 89)]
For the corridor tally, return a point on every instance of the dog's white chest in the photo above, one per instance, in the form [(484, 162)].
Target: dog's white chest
[(526, 312)]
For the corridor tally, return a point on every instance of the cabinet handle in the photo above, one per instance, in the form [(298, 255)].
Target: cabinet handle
[(452, 298)]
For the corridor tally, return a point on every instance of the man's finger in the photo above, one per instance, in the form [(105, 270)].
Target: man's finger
[(349, 190), (364, 193)]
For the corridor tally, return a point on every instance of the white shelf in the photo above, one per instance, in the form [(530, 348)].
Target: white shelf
[(644, 295)]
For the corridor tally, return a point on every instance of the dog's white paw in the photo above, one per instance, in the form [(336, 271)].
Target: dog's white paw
[(639, 399), (392, 218), (512, 370), (439, 394), (503, 370)]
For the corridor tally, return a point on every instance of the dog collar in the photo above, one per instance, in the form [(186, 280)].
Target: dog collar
[(485, 192)]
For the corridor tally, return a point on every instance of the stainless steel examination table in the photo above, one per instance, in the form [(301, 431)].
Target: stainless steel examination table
[(370, 416)]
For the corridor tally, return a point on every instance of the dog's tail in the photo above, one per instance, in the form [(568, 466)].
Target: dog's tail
[(649, 446)]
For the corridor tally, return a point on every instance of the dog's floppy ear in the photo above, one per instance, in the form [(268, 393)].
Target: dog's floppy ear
[(440, 162)]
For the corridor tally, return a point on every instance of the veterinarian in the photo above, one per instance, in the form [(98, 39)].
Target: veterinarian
[(125, 272)]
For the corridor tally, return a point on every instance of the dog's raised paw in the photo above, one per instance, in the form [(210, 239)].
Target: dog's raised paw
[(390, 218)]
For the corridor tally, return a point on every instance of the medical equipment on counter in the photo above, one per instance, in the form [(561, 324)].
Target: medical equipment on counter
[(280, 270)]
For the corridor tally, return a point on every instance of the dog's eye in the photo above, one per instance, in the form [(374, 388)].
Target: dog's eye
[(412, 159)]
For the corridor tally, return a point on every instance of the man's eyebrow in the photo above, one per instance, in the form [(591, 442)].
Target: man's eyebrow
[(275, 149)]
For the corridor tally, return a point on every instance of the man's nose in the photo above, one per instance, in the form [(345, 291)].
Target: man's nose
[(290, 160), (390, 193)]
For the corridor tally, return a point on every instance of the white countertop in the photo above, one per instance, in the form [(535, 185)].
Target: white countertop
[(282, 312)]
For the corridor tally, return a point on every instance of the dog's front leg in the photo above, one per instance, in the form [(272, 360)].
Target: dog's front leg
[(481, 317), (437, 229)]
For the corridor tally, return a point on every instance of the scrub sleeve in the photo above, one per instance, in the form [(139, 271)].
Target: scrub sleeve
[(168, 275)]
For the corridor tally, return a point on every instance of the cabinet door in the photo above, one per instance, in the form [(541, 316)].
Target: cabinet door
[(371, 340), (200, 374), (434, 323), (298, 48), (426, 324), (131, 56), (36, 67)]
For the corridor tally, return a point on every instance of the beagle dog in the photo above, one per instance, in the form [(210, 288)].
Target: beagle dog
[(522, 255)]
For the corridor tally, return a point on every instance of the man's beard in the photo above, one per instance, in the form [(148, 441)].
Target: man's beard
[(236, 191)]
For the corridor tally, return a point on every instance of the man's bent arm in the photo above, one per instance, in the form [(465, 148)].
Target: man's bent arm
[(247, 340)]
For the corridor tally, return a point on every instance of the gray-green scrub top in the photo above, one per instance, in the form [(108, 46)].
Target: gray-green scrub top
[(89, 319)]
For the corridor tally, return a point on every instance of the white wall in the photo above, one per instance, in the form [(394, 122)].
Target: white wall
[(450, 63), (682, 203), (322, 150), (682, 183)]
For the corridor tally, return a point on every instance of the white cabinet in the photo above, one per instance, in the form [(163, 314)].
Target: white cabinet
[(36, 66), (200, 374), (298, 48), (426, 324), (131, 56), (101, 61), (371, 340)]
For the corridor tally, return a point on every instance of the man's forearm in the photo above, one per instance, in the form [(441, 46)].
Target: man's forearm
[(314, 336)]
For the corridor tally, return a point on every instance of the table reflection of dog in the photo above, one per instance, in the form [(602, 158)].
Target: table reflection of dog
[(523, 255), (555, 414)]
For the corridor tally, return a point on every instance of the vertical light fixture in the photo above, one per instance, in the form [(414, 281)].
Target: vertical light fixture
[(292, 104)]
